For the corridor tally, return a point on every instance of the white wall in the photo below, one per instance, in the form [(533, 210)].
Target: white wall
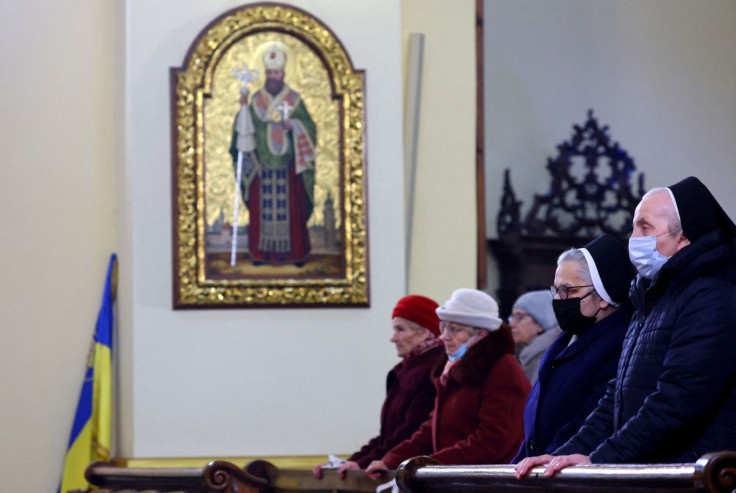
[(265, 381), (659, 73), (57, 220), (444, 251)]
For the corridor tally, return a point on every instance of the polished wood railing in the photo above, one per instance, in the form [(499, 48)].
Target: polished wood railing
[(222, 476), (713, 473), (218, 476), (295, 480)]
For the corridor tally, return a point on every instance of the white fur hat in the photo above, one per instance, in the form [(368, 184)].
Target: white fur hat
[(471, 307), (274, 58)]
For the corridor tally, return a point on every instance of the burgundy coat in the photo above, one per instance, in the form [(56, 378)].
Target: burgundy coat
[(410, 397), (478, 415)]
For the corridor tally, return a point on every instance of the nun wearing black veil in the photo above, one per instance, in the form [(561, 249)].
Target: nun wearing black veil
[(674, 395), (591, 304)]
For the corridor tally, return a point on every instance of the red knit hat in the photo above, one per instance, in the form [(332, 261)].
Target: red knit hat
[(420, 310)]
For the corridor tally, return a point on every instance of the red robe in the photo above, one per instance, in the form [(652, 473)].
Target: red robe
[(299, 211)]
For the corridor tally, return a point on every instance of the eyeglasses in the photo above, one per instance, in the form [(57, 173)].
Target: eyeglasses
[(564, 291), (452, 329), (517, 317)]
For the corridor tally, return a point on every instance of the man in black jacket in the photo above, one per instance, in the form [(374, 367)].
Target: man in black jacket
[(674, 396)]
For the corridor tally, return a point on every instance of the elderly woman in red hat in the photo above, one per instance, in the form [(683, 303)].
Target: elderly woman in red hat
[(410, 392)]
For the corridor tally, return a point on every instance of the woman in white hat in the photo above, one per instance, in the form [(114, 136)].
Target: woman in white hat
[(481, 390)]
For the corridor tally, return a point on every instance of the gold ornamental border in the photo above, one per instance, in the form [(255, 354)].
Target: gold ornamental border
[(190, 85)]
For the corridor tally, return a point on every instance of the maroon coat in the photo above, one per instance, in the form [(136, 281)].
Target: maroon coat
[(410, 397), (478, 415)]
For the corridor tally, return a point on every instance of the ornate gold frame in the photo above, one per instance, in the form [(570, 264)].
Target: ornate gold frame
[(191, 91)]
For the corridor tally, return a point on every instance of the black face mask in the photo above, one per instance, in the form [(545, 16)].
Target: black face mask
[(569, 316)]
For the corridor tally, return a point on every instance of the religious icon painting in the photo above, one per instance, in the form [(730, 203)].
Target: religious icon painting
[(268, 140)]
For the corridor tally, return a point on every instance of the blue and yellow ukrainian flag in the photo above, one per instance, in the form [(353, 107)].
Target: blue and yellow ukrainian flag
[(90, 438)]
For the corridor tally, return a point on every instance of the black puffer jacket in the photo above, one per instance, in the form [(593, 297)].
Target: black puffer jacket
[(674, 396)]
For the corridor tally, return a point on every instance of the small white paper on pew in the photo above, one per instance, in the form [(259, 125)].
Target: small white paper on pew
[(333, 462), (394, 488)]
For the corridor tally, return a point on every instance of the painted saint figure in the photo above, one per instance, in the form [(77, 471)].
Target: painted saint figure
[(276, 138)]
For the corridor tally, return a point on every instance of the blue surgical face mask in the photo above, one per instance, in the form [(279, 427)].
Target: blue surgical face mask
[(459, 352), (462, 348), (644, 255)]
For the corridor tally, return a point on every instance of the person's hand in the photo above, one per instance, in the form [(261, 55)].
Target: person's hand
[(317, 471), (288, 125), (553, 463), (244, 98), (375, 469), (562, 461), (347, 466), (526, 464)]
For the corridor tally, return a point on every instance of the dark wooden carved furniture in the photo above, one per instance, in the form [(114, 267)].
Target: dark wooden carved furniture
[(222, 476), (590, 193), (217, 476), (712, 473)]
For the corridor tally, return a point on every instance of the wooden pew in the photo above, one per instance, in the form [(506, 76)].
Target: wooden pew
[(298, 480), (217, 476), (712, 473), (222, 476)]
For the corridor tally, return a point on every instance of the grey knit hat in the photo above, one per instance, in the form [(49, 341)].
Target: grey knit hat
[(538, 304), (471, 307)]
